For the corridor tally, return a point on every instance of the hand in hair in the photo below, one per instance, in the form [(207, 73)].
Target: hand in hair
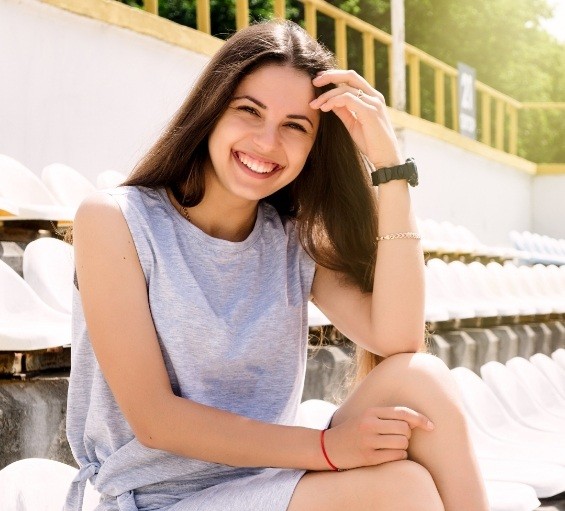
[(362, 109), (379, 435)]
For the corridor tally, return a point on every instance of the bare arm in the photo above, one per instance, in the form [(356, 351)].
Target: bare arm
[(114, 296), (391, 318)]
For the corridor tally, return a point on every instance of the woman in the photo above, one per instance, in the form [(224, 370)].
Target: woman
[(190, 318)]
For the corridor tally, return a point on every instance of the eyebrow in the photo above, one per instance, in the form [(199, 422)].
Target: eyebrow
[(264, 107)]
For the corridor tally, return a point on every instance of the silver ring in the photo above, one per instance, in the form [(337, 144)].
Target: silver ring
[(359, 93)]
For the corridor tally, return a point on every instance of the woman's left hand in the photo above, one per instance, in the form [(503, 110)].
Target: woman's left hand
[(362, 109)]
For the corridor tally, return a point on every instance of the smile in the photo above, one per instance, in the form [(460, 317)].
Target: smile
[(257, 166)]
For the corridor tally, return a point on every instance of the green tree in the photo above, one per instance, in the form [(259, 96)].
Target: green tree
[(503, 40)]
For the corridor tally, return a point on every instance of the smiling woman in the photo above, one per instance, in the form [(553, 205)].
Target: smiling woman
[(261, 143), (190, 312)]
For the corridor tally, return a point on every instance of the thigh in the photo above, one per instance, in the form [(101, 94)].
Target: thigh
[(400, 485)]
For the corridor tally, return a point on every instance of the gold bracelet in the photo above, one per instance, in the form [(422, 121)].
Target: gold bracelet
[(399, 235)]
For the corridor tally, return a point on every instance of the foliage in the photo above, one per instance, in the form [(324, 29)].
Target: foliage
[(503, 40)]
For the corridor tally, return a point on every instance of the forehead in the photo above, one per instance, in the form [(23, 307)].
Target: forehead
[(278, 84)]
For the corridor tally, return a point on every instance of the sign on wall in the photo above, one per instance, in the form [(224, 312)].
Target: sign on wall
[(467, 101)]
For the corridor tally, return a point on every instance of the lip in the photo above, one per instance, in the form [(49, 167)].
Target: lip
[(249, 172)]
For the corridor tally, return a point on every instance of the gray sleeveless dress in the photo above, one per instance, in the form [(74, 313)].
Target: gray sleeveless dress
[(231, 320)]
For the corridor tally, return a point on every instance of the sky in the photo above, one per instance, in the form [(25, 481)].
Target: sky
[(556, 25)]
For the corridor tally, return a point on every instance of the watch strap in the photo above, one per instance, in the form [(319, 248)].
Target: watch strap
[(406, 171)]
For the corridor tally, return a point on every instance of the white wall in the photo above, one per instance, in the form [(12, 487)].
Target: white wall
[(79, 91), (95, 96), (549, 205), (457, 185)]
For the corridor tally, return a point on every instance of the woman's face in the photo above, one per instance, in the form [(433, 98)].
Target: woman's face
[(262, 140)]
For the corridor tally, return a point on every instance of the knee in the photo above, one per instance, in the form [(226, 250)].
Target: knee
[(422, 362), (421, 374)]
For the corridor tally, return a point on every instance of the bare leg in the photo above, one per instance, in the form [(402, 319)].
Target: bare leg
[(395, 486), (422, 382)]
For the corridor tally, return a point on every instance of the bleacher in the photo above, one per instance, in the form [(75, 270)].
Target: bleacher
[(495, 316), (495, 294)]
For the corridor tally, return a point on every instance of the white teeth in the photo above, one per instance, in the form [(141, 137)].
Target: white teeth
[(255, 165)]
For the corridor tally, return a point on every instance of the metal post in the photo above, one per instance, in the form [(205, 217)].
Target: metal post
[(151, 6), (398, 78)]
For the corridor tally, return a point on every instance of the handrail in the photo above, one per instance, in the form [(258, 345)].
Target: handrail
[(498, 112), (544, 106)]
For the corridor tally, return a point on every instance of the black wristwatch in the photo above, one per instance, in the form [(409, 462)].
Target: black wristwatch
[(407, 170)]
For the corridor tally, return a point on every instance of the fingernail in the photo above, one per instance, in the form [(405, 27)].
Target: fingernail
[(430, 425), (320, 73)]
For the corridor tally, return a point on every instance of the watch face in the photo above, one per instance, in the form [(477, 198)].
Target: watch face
[(413, 177)]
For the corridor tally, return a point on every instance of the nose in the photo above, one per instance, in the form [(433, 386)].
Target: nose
[(267, 137)]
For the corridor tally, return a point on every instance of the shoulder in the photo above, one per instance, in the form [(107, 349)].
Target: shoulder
[(99, 219), (108, 205), (96, 204)]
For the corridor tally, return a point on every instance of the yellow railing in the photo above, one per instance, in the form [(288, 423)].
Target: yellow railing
[(498, 113)]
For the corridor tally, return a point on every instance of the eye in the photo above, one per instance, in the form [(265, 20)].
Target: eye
[(296, 126), (248, 109)]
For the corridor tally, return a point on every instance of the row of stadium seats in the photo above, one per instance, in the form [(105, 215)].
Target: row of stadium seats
[(457, 294), (500, 293), (445, 239), (535, 248), (56, 196), (516, 429), (61, 188)]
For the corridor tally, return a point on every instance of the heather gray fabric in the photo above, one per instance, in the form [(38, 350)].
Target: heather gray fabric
[(231, 319)]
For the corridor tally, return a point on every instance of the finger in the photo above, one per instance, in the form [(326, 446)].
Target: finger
[(412, 417), (358, 93), (349, 77), (389, 442), (344, 99), (386, 456), (393, 427)]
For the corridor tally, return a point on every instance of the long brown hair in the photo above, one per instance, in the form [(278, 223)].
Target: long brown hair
[(331, 198)]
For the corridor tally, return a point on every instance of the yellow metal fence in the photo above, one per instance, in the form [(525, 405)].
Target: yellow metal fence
[(498, 113)]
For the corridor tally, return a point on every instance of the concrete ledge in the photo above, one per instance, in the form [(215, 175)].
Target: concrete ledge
[(12, 253), (326, 374), (32, 420)]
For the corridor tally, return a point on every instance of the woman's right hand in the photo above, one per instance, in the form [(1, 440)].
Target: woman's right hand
[(379, 435)]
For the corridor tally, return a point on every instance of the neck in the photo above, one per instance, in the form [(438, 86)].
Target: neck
[(229, 220)]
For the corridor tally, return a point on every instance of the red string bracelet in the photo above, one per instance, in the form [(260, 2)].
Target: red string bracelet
[(333, 467)]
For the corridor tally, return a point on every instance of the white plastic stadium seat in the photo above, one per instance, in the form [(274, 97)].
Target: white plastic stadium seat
[(559, 357), (492, 287), (511, 496), (29, 197), (475, 288), (554, 372), (546, 479), (110, 179), (487, 414), (315, 413), (36, 484), (316, 317), (67, 185), (48, 267), (26, 321), (441, 293), (539, 386), (513, 394), (507, 277)]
